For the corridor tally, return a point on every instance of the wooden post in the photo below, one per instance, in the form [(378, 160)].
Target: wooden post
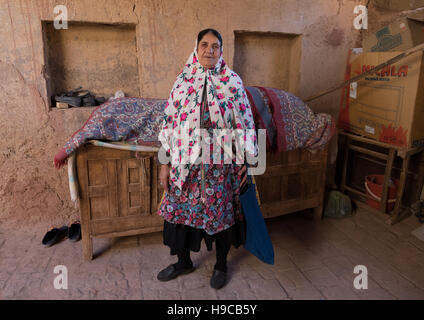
[(87, 241), (319, 209), (345, 161), (402, 181), (387, 176)]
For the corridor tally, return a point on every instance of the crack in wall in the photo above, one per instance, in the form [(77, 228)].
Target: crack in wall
[(134, 12), (33, 90)]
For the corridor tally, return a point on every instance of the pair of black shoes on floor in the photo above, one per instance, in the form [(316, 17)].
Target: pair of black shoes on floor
[(56, 235), (218, 279), (79, 97)]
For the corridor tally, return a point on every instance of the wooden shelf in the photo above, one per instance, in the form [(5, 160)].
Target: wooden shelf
[(388, 159)]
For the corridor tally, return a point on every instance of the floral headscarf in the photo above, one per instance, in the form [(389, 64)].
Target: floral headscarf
[(229, 108)]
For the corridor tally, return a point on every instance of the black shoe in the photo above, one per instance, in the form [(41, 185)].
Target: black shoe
[(54, 236), (72, 97), (88, 100), (72, 101), (100, 100), (74, 232), (171, 272), (218, 279)]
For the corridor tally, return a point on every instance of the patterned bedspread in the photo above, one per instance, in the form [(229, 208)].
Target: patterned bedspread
[(133, 120), (290, 123)]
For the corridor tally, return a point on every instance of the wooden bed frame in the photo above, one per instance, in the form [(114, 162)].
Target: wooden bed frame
[(119, 192)]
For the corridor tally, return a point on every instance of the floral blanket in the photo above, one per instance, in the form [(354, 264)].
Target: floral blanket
[(290, 123)]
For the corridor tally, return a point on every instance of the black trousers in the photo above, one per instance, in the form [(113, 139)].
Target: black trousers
[(182, 239), (222, 249)]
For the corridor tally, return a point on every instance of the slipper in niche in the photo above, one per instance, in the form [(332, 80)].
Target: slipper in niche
[(54, 235), (100, 100), (74, 231), (88, 100), (72, 97)]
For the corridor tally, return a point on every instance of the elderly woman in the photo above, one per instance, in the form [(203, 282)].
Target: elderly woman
[(201, 198)]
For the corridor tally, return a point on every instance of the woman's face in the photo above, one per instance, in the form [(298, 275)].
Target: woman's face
[(209, 50)]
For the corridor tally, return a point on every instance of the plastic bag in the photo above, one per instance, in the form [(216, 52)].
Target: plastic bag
[(338, 206)]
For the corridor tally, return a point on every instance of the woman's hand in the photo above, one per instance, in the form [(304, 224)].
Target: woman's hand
[(164, 176), (243, 171)]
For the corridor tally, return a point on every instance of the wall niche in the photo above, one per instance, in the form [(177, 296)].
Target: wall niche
[(269, 59), (99, 57)]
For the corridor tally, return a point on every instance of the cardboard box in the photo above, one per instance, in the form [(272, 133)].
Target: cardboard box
[(400, 35), (387, 106), (344, 98)]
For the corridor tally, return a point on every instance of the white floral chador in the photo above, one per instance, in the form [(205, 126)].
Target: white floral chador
[(228, 107)]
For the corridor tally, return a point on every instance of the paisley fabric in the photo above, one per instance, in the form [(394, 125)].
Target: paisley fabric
[(299, 126), (134, 120), (289, 122), (228, 106)]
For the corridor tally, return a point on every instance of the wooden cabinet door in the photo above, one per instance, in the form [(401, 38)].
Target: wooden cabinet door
[(115, 191)]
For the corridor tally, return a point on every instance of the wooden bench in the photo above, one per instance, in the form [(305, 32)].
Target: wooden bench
[(365, 145), (119, 192)]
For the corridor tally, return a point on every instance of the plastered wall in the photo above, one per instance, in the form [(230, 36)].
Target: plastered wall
[(31, 189)]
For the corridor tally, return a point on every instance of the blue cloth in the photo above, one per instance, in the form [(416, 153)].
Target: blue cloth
[(258, 241)]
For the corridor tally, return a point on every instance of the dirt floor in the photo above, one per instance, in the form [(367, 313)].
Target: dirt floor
[(311, 262)]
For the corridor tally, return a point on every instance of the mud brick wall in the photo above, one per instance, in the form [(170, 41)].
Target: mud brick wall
[(161, 35)]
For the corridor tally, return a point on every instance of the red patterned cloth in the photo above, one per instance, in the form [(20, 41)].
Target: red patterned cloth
[(290, 123)]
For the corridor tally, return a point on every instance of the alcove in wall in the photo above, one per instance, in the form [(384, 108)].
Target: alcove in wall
[(99, 57), (269, 59)]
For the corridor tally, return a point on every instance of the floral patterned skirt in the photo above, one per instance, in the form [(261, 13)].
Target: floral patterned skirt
[(204, 211)]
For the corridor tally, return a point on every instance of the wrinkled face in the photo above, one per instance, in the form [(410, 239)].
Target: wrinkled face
[(209, 50)]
